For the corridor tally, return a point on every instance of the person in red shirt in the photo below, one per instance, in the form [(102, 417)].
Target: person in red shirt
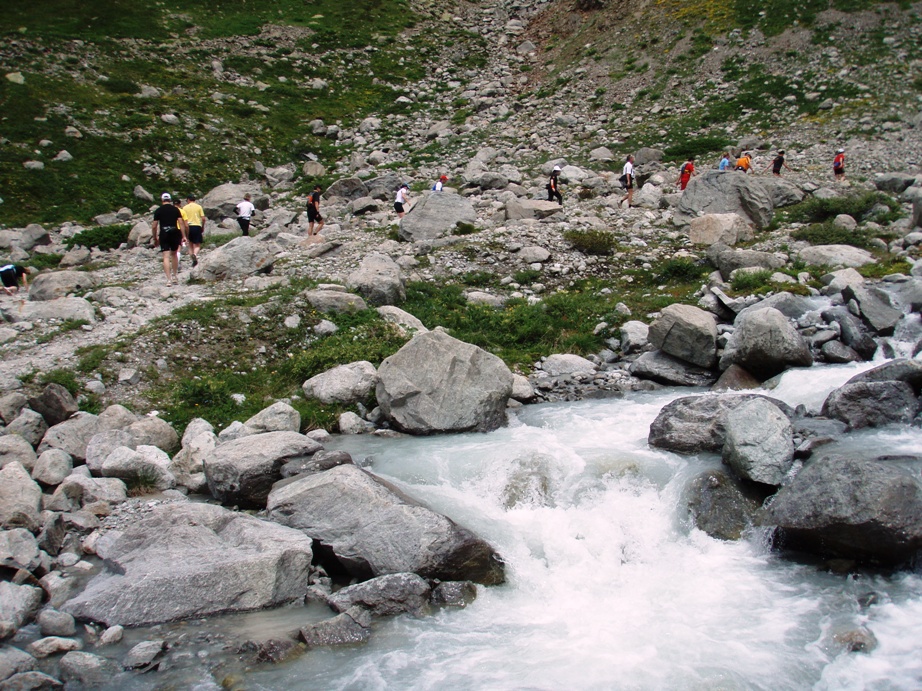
[(838, 165), (686, 172)]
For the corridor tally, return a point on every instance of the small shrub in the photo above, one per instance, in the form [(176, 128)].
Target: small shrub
[(477, 278), (45, 261), (681, 271), (745, 281), (526, 276), (116, 85), (462, 228), (64, 377), (218, 240), (858, 206), (91, 357), (598, 242), (103, 237), (830, 234), (699, 146)]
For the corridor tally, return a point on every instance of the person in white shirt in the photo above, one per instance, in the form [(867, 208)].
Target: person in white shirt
[(627, 179), (245, 210), (440, 184), (403, 198)]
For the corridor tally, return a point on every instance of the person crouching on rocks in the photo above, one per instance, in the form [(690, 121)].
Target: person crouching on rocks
[(553, 186), (10, 275), (402, 200)]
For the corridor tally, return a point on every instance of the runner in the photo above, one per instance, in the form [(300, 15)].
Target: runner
[(194, 216), (10, 275), (245, 211), (313, 212), (167, 233), (686, 172), (838, 165), (777, 163), (403, 198)]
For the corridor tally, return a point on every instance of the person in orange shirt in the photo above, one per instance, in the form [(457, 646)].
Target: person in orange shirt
[(744, 162)]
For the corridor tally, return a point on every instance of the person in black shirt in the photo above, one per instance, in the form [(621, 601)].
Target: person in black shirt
[(777, 163), (313, 212), (169, 231), (10, 275)]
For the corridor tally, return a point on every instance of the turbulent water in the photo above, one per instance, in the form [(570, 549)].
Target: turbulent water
[(609, 585)]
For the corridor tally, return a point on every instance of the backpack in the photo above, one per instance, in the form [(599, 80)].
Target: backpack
[(683, 168)]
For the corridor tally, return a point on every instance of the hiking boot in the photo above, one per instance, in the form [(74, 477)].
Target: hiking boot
[(194, 261)]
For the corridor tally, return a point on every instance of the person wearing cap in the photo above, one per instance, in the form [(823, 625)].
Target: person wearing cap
[(838, 165), (686, 172), (553, 186), (167, 233), (313, 212), (627, 180), (777, 163), (194, 216), (402, 200), (245, 210), (440, 184)]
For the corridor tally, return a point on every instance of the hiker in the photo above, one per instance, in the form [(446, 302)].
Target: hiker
[(245, 211), (10, 275), (686, 172), (168, 233), (838, 165), (627, 181), (183, 228), (724, 162), (777, 163), (744, 163), (194, 215), (403, 199), (313, 212), (440, 184), (553, 186)]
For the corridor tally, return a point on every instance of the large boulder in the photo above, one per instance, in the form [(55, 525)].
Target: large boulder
[(373, 530), (765, 344), (686, 332), (243, 256), (851, 331), (58, 284), (517, 209), (728, 259), (759, 441), (851, 508), (72, 435), (76, 491), (783, 192), (14, 448), (908, 371), (188, 559), (661, 367), (872, 404), (385, 596), (221, 202), (719, 192), (693, 424), (436, 383), (347, 384), (60, 309), (436, 215), (18, 603), (835, 256), (188, 465), (146, 466), (379, 280), (875, 307), (242, 471), (719, 506), (55, 404), (350, 188), (338, 301), (20, 498), (278, 417), (562, 364), (711, 229)]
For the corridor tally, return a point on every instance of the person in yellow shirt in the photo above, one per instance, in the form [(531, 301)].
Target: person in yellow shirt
[(194, 216)]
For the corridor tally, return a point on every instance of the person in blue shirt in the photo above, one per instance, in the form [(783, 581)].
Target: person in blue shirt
[(725, 162)]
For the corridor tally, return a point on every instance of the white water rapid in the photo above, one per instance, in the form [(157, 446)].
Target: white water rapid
[(609, 586)]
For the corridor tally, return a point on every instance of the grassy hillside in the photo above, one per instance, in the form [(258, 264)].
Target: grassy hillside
[(244, 80)]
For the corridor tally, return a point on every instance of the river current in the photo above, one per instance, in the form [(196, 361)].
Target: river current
[(609, 584)]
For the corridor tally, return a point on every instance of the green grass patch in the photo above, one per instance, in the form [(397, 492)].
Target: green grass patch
[(40, 262), (64, 377), (593, 241), (526, 276), (478, 279), (695, 146), (828, 233), (90, 358), (681, 271), (885, 267), (751, 281), (858, 206), (101, 237)]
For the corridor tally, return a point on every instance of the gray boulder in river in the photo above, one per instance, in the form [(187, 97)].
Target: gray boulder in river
[(189, 560), (765, 344), (869, 510), (436, 383), (242, 471), (374, 530)]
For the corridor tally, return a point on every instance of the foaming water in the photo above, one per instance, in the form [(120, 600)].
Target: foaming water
[(609, 586)]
